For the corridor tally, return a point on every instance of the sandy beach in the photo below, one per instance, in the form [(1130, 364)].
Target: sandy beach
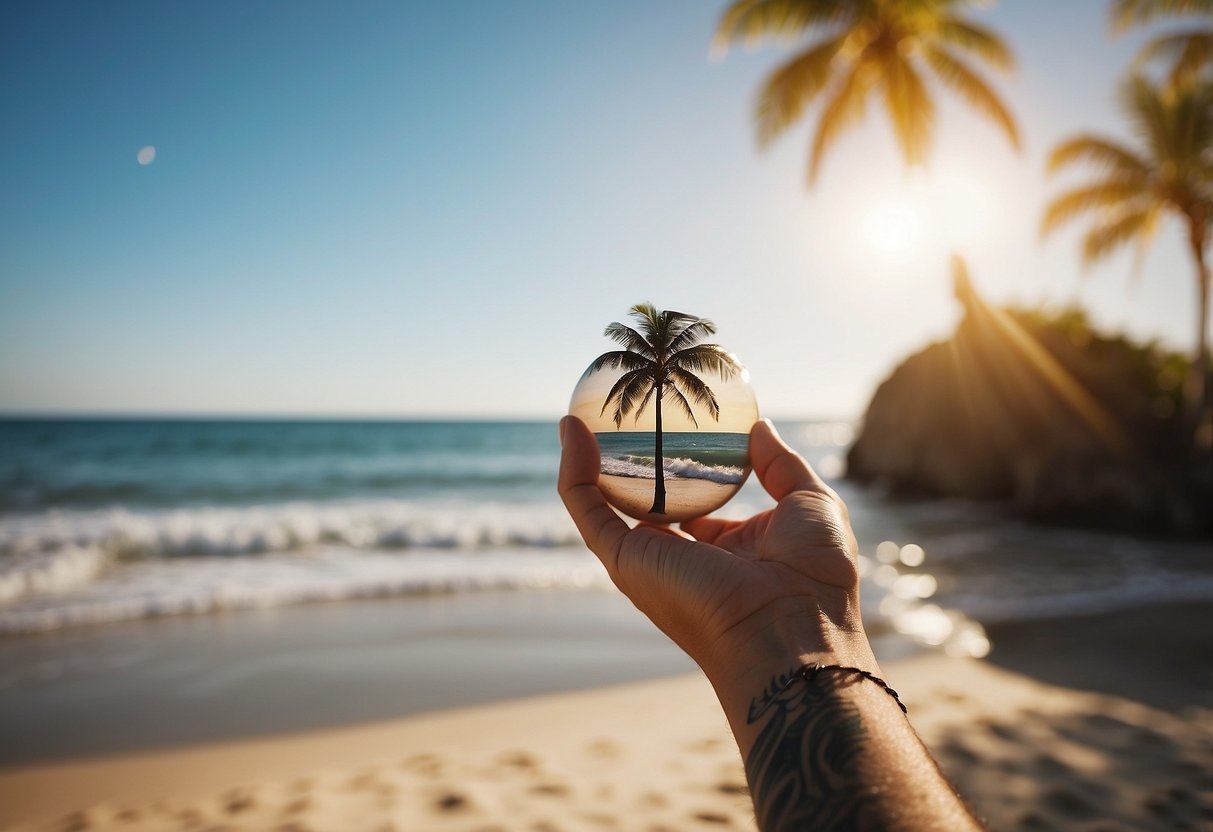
[(684, 497), (657, 755)]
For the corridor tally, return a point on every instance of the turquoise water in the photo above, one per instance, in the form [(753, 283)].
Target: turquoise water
[(109, 520), (717, 457)]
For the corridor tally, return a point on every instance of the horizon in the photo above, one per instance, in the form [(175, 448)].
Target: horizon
[(233, 210)]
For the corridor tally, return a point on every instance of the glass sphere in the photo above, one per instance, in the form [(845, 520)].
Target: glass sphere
[(697, 423)]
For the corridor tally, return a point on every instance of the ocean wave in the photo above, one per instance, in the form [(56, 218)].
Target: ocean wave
[(641, 467), (58, 551), (154, 589)]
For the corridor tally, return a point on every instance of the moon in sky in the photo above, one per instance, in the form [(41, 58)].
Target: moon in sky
[(146, 155)]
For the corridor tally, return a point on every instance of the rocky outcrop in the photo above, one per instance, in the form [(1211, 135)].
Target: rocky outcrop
[(1072, 426)]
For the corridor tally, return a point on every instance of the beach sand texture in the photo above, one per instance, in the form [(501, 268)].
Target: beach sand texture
[(646, 756), (685, 498)]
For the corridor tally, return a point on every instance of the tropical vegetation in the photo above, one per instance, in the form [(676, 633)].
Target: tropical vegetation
[(663, 359), (866, 46), (1167, 172), (1189, 52)]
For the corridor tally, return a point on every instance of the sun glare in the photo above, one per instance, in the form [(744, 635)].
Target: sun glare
[(893, 226), (923, 217)]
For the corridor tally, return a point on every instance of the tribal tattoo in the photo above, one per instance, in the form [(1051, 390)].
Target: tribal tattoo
[(804, 766)]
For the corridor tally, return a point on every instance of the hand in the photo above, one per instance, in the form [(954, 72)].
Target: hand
[(745, 599)]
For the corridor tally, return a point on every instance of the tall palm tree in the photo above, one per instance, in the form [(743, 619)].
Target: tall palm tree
[(661, 361), (1190, 52), (1170, 173), (863, 45)]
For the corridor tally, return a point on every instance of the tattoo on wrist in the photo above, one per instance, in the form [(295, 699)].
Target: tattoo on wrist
[(804, 766)]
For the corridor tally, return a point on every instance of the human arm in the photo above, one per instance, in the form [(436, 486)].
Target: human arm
[(752, 602)]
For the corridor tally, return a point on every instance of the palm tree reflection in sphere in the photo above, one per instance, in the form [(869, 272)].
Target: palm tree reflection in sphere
[(690, 409)]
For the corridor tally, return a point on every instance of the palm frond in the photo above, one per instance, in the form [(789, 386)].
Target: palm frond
[(627, 389), (701, 328), (1145, 237), (844, 109), (615, 359), (1188, 53), (909, 107), (693, 386), (978, 40), (1128, 13), (672, 393), (649, 321), (1108, 195), (1144, 105), (1108, 236), (956, 74), (752, 20), (630, 339), (789, 89), (1101, 151), (644, 403), (705, 358)]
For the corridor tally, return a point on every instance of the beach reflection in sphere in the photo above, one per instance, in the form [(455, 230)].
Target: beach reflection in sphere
[(705, 460)]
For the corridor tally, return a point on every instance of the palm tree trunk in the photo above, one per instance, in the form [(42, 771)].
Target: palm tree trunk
[(658, 462), (1200, 390)]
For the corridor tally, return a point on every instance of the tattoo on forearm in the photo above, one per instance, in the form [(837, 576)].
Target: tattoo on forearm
[(803, 768)]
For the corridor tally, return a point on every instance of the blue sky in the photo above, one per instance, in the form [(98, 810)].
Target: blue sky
[(433, 210)]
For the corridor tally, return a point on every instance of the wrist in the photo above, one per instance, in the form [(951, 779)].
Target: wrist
[(791, 633)]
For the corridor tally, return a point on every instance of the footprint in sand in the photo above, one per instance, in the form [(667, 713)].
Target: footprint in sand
[(603, 748), (653, 800), (1034, 821), (237, 802), (959, 751), (1001, 730), (550, 789), (451, 802), (1050, 765), (732, 788), (426, 765), (517, 759), (712, 817), (297, 806), (1068, 804)]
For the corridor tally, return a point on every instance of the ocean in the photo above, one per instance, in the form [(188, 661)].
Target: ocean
[(106, 520), (702, 455)]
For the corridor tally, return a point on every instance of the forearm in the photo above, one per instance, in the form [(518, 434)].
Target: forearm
[(835, 752)]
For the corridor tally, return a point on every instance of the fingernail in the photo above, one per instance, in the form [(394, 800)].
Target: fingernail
[(562, 421)]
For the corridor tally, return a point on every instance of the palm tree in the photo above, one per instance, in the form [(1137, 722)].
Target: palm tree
[(1190, 53), (864, 45), (661, 361), (1170, 173)]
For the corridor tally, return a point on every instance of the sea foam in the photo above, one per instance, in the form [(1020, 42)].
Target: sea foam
[(641, 467)]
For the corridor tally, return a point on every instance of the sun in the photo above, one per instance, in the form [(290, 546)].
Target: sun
[(893, 226)]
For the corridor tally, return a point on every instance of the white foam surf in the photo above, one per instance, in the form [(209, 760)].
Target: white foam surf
[(641, 467)]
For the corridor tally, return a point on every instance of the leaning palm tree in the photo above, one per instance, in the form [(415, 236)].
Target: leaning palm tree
[(1171, 173), (660, 363), (866, 45), (1189, 52)]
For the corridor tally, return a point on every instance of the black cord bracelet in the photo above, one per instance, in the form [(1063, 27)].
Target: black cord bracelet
[(809, 672)]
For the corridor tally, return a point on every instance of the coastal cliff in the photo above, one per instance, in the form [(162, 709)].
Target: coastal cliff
[(1070, 425)]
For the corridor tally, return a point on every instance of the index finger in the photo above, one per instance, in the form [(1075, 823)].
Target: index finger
[(601, 528), (779, 468)]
